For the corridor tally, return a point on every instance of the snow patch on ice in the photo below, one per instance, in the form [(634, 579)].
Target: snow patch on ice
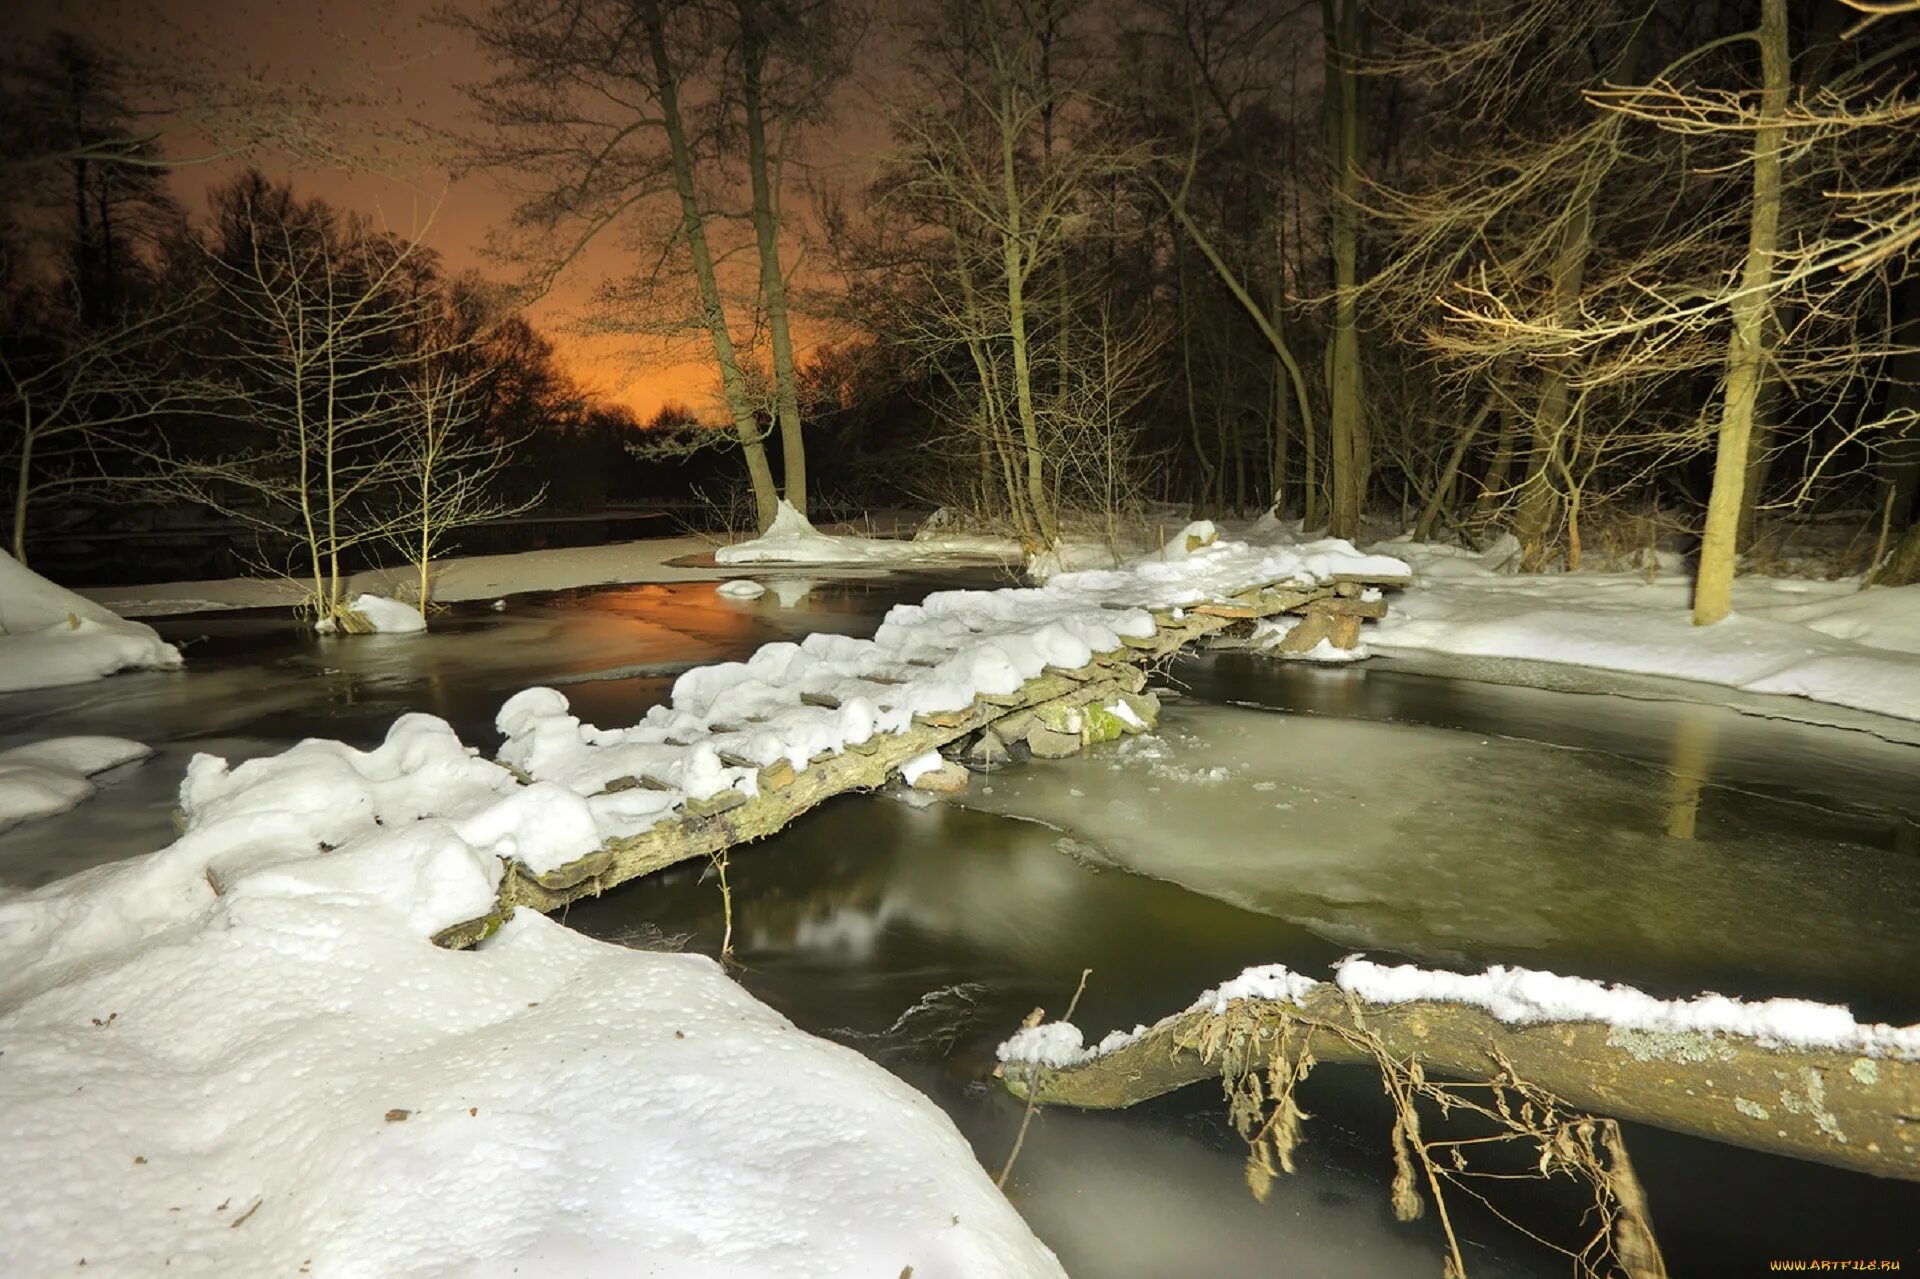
[(44, 778), (740, 588)]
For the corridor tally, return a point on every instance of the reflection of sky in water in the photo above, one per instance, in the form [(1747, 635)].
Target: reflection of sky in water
[(257, 682)]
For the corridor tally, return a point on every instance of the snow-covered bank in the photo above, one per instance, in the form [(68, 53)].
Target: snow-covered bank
[(242, 1055), (1826, 641), (44, 778), (473, 577), (1517, 996), (791, 539), (49, 636)]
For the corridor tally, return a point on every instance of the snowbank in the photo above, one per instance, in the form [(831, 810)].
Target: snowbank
[(790, 539), (1518, 996), (242, 1055), (1826, 641), (50, 636), (44, 778)]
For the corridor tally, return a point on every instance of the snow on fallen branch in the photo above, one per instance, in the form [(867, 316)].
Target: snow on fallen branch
[(1783, 1075)]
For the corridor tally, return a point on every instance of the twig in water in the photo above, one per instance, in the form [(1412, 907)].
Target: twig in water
[(1019, 1138)]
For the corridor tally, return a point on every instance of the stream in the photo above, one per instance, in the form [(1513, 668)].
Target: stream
[(1282, 813)]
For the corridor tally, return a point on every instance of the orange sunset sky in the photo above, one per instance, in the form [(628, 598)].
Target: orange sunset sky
[(394, 53)]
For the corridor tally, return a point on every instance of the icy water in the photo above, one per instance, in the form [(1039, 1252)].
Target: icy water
[(1282, 814)]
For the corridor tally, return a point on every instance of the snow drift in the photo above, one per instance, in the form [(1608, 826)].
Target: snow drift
[(49, 636)]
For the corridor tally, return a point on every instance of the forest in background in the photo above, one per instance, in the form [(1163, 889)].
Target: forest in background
[(1618, 278)]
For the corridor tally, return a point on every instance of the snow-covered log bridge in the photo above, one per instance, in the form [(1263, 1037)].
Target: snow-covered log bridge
[(743, 748)]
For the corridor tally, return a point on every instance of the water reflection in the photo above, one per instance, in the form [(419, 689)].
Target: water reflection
[(1458, 849), (1690, 767)]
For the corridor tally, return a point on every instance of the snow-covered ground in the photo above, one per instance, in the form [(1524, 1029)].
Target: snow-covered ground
[(792, 540), (49, 636), (474, 577), (1828, 641), (243, 1055)]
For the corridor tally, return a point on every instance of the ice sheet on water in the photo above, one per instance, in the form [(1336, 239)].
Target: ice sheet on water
[(1454, 848)]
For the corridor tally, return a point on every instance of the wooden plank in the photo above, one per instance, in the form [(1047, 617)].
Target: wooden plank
[(713, 805), (638, 781)]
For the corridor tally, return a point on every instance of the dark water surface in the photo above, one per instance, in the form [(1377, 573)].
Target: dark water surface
[(1284, 813)]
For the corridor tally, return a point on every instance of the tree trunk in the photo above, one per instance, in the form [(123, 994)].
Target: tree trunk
[(733, 383), (1430, 514), (1269, 329), (1186, 378), (1900, 455), (1836, 1108), (1016, 264), (1341, 19), (773, 284), (1746, 354), (23, 474)]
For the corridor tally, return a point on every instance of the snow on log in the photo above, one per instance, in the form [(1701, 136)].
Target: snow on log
[(1785, 1076), (743, 748)]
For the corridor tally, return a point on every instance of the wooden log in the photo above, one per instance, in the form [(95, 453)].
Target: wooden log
[(1337, 629), (862, 766), (669, 843), (777, 776), (1850, 1111), (638, 781), (1348, 606)]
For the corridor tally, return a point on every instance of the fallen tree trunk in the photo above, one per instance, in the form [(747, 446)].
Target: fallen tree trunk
[(705, 828), (1851, 1111)]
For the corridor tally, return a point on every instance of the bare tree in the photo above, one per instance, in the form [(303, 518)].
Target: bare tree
[(72, 395), (610, 110), (358, 422), (445, 467)]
